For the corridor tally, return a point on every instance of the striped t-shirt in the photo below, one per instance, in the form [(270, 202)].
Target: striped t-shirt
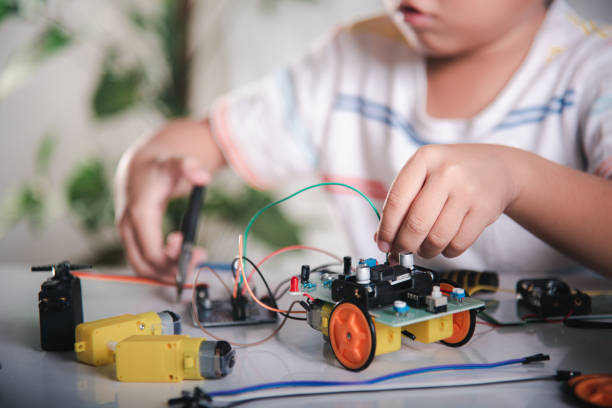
[(353, 110)]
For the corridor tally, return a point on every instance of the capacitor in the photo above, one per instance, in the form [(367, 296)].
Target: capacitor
[(347, 265), (294, 286), (305, 274), (406, 259), (363, 274)]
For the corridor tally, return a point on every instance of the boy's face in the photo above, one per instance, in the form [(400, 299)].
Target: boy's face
[(453, 27)]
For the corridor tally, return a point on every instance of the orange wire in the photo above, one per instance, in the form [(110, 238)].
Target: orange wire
[(246, 283), (209, 334), (141, 280), (287, 249), (126, 279)]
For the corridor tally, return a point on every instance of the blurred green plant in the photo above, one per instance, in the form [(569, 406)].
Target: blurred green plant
[(173, 31), (273, 227), (52, 39), (29, 206), (8, 8), (118, 90), (88, 194), (28, 202)]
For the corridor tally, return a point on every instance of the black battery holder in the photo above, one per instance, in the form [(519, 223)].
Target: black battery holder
[(549, 297)]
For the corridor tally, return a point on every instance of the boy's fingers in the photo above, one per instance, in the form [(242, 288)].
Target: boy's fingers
[(403, 190), (132, 252), (471, 227), (174, 240), (194, 171), (146, 210), (445, 228), (421, 216), (147, 232), (198, 255)]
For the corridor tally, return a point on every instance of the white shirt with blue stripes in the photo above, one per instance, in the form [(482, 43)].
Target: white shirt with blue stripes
[(353, 110)]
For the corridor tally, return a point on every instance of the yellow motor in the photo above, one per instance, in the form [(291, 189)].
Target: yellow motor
[(95, 341), (172, 359)]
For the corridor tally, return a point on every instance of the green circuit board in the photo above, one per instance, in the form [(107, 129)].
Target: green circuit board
[(386, 315)]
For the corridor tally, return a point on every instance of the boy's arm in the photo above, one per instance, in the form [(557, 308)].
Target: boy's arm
[(569, 209), (265, 130), (446, 195), (149, 174)]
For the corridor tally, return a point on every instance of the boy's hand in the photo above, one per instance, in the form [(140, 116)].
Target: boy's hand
[(445, 196), (148, 176)]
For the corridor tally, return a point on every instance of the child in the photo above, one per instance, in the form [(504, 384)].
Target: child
[(485, 126)]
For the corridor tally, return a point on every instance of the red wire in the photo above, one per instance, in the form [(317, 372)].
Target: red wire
[(240, 268), (545, 320), (194, 311), (287, 249), (528, 316), (489, 324)]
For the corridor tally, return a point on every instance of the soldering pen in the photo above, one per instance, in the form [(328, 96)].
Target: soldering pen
[(189, 227)]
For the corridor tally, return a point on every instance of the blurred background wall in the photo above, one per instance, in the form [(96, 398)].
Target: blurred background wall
[(82, 80)]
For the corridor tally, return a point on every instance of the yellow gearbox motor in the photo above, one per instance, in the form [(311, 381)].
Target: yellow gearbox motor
[(172, 359), (95, 341)]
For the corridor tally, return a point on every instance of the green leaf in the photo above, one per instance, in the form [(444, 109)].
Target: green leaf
[(138, 19), (117, 90), (8, 8), (29, 206), (89, 196), (44, 154), (22, 65), (172, 29), (52, 40), (273, 227)]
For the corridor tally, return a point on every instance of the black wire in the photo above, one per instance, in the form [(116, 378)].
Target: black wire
[(270, 294), (318, 268), (277, 296), (281, 283), (365, 391)]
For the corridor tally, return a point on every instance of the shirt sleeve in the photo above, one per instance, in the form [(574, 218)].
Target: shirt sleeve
[(596, 120), (271, 130)]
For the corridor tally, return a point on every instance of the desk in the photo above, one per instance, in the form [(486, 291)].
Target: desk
[(33, 378)]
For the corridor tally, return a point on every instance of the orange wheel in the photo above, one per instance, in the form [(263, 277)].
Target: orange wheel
[(464, 323), (352, 336), (594, 389)]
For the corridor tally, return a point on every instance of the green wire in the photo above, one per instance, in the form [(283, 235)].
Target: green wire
[(258, 213)]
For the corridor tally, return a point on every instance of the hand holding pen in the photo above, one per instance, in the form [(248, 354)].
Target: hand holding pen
[(189, 228), (181, 155)]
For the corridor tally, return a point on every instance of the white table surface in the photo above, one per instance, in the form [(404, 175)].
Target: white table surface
[(34, 378)]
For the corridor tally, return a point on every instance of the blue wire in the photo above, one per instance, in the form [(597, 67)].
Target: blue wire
[(375, 380), (216, 266)]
